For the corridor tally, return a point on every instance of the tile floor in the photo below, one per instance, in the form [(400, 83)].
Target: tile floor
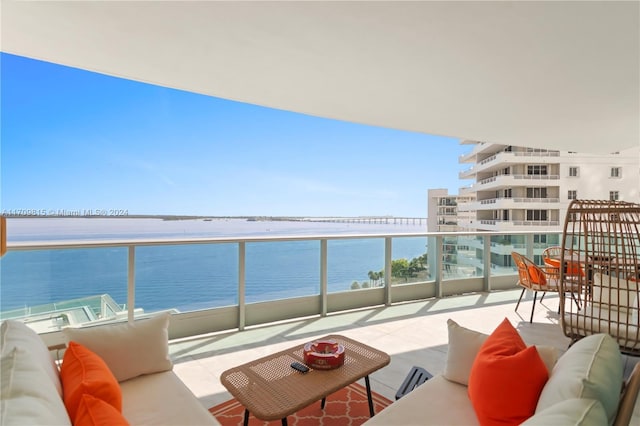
[(412, 333)]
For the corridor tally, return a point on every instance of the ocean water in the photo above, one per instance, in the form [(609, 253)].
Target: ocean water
[(190, 277)]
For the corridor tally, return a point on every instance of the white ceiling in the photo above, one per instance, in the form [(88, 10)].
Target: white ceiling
[(562, 75)]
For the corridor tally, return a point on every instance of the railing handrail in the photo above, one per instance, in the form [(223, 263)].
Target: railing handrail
[(76, 244)]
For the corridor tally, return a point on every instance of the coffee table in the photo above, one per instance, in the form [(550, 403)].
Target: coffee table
[(270, 389)]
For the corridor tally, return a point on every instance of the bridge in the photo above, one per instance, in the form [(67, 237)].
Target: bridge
[(385, 220)]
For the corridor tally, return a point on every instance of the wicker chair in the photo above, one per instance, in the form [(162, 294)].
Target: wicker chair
[(603, 238), (535, 278), (573, 270)]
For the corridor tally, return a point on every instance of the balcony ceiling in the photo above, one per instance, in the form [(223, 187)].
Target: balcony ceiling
[(562, 75)]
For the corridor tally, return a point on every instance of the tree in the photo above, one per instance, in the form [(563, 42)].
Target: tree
[(355, 285), (400, 269)]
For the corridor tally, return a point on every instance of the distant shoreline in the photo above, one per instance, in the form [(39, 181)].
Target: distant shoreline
[(72, 215)]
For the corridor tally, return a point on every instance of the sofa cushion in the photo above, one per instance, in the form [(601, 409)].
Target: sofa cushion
[(27, 395), (506, 378), (162, 399), (576, 412), (15, 334), (129, 350), (83, 372), (95, 412), (464, 345), (436, 402), (591, 368)]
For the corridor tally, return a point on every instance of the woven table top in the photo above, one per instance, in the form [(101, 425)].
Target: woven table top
[(270, 389)]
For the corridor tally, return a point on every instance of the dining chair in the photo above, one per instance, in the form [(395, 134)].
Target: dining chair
[(537, 278)]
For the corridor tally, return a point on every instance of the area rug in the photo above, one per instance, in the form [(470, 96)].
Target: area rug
[(347, 407)]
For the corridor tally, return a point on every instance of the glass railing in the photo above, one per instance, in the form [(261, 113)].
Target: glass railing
[(237, 282)]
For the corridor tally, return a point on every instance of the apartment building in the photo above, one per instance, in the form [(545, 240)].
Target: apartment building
[(518, 188), (443, 214), (527, 189)]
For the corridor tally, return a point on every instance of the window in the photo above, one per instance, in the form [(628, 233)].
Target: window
[(614, 195), (536, 192), (572, 195), (540, 238), (616, 172), (537, 169), (573, 172), (537, 215)]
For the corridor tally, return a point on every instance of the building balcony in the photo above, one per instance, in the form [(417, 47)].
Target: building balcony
[(505, 225), (480, 148), (505, 181), (514, 203), (503, 159)]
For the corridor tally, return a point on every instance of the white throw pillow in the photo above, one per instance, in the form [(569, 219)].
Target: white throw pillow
[(591, 368), (15, 334), (130, 350), (571, 412), (464, 345), (615, 293), (27, 395)]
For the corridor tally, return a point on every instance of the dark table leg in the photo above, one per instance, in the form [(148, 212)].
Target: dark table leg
[(369, 398), (322, 404), (246, 417), (284, 421)]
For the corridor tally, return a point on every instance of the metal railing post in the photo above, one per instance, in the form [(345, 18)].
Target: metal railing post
[(486, 262), (131, 284), (241, 285), (387, 271), (438, 275), (323, 278)]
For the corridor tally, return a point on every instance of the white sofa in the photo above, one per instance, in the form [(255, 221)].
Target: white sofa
[(34, 391), (583, 387)]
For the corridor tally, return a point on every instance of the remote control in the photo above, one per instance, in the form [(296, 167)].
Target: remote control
[(300, 367)]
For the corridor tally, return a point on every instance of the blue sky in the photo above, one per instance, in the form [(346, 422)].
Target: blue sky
[(73, 139)]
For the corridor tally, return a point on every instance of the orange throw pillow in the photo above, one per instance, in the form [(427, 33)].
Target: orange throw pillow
[(83, 372), (506, 378), (95, 412)]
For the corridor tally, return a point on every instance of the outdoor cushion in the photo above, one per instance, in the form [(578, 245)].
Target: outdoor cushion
[(16, 334), (28, 396), (464, 345), (83, 372), (506, 378), (95, 412), (129, 350), (591, 368), (575, 412)]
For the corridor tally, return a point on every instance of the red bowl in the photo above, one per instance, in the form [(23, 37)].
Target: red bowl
[(323, 354)]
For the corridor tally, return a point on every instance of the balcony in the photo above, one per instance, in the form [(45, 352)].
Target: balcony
[(407, 320), (505, 225), (514, 203), (412, 333), (500, 181)]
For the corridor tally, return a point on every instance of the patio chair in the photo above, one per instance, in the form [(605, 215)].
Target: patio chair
[(536, 278), (603, 238), (573, 270)]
